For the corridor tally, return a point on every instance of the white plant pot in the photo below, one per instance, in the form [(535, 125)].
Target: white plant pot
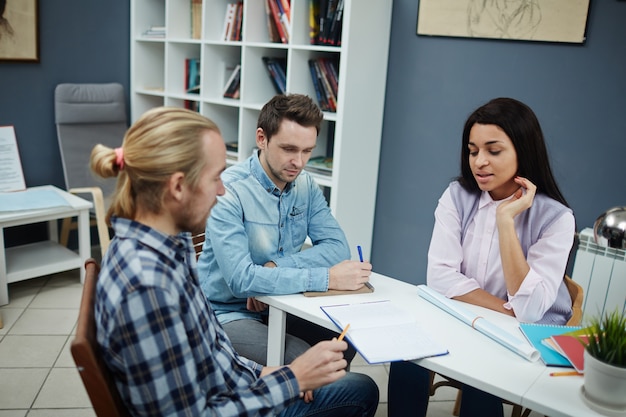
[(604, 387)]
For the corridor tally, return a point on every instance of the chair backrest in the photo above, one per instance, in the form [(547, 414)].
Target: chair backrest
[(576, 293), (98, 382), (198, 241), (85, 115)]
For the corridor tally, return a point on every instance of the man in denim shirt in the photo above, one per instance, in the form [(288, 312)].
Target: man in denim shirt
[(254, 237)]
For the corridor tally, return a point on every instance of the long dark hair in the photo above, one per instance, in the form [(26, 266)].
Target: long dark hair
[(520, 124)]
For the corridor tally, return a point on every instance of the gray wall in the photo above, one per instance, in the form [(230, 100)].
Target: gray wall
[(80, 41), (577, 91)]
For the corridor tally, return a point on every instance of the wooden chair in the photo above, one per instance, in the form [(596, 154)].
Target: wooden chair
[(198, 241), (576, 294), (98, 382)]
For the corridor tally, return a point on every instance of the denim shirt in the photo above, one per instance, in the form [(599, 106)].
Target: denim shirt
[(254, 223)]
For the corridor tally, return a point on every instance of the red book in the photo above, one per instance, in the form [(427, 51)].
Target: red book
[(276, 17), (573, 349)]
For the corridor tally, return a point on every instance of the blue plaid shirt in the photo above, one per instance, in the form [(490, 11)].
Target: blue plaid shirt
[(166, 350)]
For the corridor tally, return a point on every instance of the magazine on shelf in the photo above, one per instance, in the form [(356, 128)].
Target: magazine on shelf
[(320, 165)]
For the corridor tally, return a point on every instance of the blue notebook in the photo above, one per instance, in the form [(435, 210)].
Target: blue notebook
[(535, 333)]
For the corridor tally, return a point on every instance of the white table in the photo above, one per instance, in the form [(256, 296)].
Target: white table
[(46, 257), (474, 359)]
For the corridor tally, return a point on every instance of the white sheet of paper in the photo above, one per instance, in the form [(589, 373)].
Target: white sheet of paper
[(11, 174)]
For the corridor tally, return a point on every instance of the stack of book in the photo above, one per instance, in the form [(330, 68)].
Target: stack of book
[(320, 165), (325, 76), (278, 20), (277, 70), (233, 20), (325, 22), (154, 31)]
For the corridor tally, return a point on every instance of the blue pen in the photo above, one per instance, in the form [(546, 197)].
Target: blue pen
[(367, 284)]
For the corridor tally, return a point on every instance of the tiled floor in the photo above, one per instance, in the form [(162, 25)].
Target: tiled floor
[(37, 373)]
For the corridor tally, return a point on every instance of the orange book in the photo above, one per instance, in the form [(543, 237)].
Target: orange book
[(572, 348)]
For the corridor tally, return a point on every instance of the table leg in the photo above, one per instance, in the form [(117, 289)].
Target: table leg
[(4, 289), (276, 327), (53, 230), (84, 240)]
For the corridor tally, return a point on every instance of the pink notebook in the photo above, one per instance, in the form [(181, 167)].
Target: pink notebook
[(572, 348)]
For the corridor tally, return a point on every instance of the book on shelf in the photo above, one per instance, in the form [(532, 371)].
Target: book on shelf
[(271, 25), (320, 165), (277, 21), (192, 75), (283, 15), (325, 21), (328, 100), (232, 146), (231, 89), (236, 35), (196, 19), (321, 97), (535, 333), (334, 32), (192, 105), (331, 72), (229, 21), (314, 21), (383, 332), (510, 341), (277, 70)]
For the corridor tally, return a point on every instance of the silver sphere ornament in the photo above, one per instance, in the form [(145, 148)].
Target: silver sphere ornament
[(609, 230)]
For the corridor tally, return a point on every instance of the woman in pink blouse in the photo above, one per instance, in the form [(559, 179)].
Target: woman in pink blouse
[(502, 237)]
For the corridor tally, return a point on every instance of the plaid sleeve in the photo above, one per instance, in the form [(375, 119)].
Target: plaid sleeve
[(163, 374)]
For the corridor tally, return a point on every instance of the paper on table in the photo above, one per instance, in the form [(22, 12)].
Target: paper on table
[(517, 345), (31, 199), (382, 332)]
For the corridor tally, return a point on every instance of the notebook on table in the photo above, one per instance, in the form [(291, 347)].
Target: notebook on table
[(535, 333)]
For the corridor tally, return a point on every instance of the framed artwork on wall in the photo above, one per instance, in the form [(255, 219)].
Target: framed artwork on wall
[(19, 30), (530, 20)]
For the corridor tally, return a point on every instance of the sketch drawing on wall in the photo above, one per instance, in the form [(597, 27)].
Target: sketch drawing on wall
[(532, 20), (503, 19), (19, 30)]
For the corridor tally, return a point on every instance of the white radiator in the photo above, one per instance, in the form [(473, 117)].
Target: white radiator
[(601, 272)]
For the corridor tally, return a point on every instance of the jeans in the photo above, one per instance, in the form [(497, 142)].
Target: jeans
[(355, 395), (408, 394)]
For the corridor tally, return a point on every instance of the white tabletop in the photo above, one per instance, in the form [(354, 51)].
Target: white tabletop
[(474, 358), (74, 204)]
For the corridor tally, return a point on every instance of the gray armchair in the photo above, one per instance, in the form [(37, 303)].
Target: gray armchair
[(85, 115)]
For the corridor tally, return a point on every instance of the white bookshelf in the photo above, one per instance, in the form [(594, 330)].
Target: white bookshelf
[(157, 78)]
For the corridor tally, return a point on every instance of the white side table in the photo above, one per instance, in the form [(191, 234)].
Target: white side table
[(47, 257)]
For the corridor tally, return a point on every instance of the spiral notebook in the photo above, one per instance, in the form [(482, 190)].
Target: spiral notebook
[(535, 333)]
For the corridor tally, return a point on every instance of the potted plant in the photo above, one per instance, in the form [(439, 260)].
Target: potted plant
[(604, 384)]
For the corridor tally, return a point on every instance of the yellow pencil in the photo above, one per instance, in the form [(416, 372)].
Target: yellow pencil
[(345, 330), (568, 373)]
